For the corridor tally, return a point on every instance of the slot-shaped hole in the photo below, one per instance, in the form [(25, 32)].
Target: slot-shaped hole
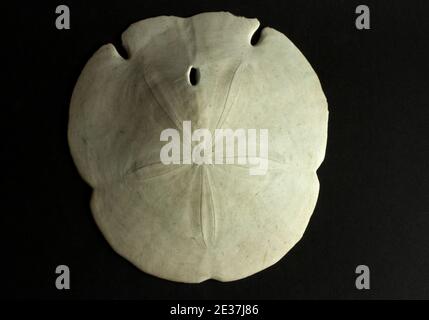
[(120, 48), (256, 36), (194, 76)]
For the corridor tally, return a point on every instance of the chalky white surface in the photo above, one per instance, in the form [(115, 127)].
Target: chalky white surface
[(190, 223)]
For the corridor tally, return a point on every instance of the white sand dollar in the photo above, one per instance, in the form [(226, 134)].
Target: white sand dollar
[(188, 222)]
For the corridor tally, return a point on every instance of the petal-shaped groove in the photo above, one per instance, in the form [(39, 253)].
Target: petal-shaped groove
[(208, 210)]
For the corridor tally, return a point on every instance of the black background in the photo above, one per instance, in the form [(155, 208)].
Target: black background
[(373, 206)]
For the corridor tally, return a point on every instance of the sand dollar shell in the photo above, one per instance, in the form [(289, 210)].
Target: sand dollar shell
[(188, 222)]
